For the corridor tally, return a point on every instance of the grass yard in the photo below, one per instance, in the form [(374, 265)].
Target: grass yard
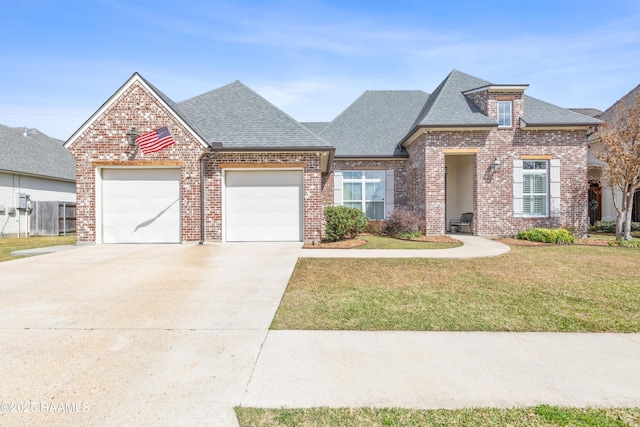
[(378, 242), (9, 245), (355, 417), (531, 288)]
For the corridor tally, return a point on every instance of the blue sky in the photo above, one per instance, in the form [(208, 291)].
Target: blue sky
[(60, 60)]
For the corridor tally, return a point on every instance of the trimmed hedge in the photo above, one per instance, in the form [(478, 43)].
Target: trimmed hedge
[(558, 236), (343, 222), (610, 227)]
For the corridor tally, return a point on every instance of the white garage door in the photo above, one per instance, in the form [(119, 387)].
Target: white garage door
[(263, 206), (140, 205)]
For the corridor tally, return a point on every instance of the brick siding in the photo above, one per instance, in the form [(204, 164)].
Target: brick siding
[(105, 141)]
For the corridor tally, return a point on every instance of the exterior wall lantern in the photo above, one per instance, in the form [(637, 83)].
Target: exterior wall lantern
[(131, 133), (495, 166)]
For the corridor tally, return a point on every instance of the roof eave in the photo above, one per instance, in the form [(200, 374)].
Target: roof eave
[(272, 149), (326, 160), (55, 178), (371, 157), (498, 88), (557, 126)]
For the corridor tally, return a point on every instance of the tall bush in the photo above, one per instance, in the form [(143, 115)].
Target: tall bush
[(402, 223), (343, 222)]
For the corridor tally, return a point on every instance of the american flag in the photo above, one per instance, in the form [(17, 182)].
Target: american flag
[(156, 140)]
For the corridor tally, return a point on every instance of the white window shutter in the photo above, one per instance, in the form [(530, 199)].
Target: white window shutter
[(554, 190), (517, 188), (389, 200), (337, 188)]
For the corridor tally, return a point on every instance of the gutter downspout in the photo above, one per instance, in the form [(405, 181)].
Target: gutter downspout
[(202, 168)]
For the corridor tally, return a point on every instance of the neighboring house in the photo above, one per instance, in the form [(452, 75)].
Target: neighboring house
[(33, 168), (242, 170), (601, 206)]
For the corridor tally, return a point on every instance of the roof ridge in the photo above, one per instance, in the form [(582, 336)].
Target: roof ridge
[(211, 91), (619, 101), (279, 110), (431, 100), (342, 113)]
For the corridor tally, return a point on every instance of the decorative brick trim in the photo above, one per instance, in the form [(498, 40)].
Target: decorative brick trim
[(454, 151), (540, 157)]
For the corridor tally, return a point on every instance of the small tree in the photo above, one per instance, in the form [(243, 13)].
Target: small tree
[(618, 146)]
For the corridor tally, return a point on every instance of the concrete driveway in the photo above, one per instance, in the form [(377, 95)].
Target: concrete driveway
[(136, 334)]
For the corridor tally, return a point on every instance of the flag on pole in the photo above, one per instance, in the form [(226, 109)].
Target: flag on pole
[(156, 140)]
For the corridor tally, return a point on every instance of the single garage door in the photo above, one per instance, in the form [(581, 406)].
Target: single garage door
[(263, 206), (141, 205)]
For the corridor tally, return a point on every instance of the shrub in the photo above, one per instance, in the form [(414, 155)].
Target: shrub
[(343, 222), (626, 243), (610, 227), (404, 223), (376, 227), (559, 236)]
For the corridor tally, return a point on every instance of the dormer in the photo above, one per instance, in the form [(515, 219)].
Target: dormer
[(503, 103)]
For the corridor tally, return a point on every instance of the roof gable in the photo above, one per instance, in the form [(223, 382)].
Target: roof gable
[(374, 123), (238, 117), (448, 107), (164, 100), (31, 152)]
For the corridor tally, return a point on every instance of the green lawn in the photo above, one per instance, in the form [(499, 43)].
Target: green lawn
[(379, 242), (531, 288), (9, 245), (356, 417)]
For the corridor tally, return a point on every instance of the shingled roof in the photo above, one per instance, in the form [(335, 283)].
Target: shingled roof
[(29, 151), (315, 127), (625, 102), (374, 123), (447, 105), (591, 112), (539, 113), (238, 117)]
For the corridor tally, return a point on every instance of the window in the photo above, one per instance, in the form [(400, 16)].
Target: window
[(504, 113), (535, 188), (364, 190)]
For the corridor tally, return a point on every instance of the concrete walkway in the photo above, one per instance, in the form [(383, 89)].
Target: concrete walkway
[(429, 370), (473, 247)]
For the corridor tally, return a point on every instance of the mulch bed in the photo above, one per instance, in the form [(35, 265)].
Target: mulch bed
[(354, 243), (342, 244)]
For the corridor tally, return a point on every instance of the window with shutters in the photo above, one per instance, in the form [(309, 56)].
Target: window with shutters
[(365, 190), (535, 188)]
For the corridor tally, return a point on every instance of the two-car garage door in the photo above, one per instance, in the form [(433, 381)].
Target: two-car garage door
[(142, 205)]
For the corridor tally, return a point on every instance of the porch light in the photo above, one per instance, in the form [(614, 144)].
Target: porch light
[(495, 166), (131, 133)]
